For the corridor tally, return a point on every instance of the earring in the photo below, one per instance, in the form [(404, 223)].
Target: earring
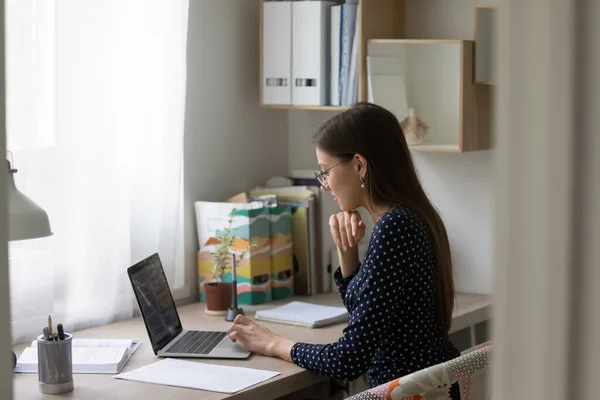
[(362, 182)]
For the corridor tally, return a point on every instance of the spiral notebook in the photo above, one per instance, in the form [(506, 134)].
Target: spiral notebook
[(304, 314)]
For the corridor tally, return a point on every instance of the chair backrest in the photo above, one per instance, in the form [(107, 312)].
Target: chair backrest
[(469, 370)]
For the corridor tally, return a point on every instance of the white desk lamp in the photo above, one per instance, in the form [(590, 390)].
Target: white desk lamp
[(26, 220)]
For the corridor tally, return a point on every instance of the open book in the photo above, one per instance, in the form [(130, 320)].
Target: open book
[(304, 314), (90, 356)]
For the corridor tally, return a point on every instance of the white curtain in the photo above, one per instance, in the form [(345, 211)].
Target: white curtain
[(95, 111), (547, 237)]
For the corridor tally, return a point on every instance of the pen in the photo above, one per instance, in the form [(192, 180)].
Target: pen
[(46, 334), (50, 325), (55, 336), (61, 332)]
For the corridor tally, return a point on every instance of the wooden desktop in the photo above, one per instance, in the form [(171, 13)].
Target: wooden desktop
[(470, 309)]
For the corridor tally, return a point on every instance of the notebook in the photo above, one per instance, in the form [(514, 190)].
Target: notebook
[(90, 356), (197, 375), (304, 314)]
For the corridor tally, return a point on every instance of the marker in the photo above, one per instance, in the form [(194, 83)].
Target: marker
[(46, 335), (61, 332)]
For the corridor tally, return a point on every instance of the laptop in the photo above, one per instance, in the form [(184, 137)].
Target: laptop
[(160, 316)]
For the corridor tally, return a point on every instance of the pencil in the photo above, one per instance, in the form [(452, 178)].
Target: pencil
[(50, 325)]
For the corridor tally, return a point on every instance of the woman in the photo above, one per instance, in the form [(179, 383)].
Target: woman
[(400, 298)]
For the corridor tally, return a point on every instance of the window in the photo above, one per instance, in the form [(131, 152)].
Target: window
[(95, 114)]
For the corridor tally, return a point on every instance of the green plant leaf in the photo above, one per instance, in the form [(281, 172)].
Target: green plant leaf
[(221, 257)]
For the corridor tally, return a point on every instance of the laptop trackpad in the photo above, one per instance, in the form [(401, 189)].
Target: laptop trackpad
[(226, 343)]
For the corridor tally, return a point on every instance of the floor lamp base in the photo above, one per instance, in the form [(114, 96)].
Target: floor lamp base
[(233, 312)]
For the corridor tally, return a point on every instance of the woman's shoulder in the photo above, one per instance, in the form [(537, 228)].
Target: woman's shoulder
[(398, 216), (400, 236), (399, 221)]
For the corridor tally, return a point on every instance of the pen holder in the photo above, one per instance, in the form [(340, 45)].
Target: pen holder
[(55, 365)]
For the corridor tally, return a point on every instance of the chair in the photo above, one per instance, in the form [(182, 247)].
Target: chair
[(470, 370)]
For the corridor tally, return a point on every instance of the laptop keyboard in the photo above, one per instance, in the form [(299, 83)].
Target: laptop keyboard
[(197, 342)]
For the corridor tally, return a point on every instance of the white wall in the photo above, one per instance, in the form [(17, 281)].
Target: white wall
[(231, 144), (5, 344), (459, 184)]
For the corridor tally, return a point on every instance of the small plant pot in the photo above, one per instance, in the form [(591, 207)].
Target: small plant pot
[(218, 297)]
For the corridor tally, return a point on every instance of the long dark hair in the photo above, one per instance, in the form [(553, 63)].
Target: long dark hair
[(391, 179)]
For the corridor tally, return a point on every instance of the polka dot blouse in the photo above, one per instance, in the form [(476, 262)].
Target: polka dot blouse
[(393, 328)]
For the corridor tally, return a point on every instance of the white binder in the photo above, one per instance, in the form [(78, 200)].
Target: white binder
[(334, 55), (352, 85), (349, 27), (310, 52), (277, 52)]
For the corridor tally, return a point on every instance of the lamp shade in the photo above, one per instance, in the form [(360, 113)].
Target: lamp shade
[(26, 220)]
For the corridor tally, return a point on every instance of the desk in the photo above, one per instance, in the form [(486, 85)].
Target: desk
[(470, 309)]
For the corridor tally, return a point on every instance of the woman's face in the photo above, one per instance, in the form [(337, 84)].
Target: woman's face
[(342, 180)]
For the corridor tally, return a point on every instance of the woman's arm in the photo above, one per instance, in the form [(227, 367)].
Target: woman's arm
[(378, 293), (256, 338), (347, 229), (281, 347), (348, 261), (348, 358)]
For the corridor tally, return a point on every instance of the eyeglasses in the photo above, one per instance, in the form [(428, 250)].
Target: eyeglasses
[(322, 176)]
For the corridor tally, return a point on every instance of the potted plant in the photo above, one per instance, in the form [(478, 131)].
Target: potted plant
[(218, 292)]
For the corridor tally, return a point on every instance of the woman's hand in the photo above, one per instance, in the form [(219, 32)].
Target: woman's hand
[(258, 339), (347, 229)]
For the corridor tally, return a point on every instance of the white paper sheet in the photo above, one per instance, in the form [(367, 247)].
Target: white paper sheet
[(198, 375)]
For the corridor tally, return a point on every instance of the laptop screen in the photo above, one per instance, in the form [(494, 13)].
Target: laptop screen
[(155, 301)]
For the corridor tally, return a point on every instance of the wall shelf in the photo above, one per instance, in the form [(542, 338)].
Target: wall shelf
[(485, 44), (436, 148), (378, 19), (435, 77), (311, 108)]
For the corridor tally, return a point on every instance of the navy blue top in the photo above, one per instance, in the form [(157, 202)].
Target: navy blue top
[(393, 327)]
